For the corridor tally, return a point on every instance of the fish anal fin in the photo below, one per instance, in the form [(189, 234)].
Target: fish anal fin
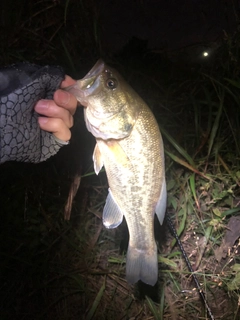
[(112, 215), (162, 203), (142, 265), (97, 159)]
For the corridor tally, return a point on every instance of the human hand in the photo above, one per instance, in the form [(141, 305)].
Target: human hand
[(58, 113), (21, 87)]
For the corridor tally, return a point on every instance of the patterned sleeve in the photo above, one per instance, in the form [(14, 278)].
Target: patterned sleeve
[(21, 86)]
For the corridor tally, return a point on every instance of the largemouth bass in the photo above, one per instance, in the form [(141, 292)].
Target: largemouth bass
[(130, 147)]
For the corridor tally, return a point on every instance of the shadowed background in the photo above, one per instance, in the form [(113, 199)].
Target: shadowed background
[(57, 269)]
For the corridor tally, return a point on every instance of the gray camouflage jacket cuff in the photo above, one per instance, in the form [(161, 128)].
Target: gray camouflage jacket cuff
[(21, 138)]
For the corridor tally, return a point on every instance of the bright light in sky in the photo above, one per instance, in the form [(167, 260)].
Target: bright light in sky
[(205, 53)]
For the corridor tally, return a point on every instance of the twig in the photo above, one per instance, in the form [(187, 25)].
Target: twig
[(72, 192)]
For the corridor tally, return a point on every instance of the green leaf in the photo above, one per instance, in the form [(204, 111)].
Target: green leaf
[(217, 212), (182, 212), (215, 125), (233, 82), (193, 188), (153, 309), (178, 147), (230, 212), (167, 261), (96, 302), (235, 283), (236, 267)]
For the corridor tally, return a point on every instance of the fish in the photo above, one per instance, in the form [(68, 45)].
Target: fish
[(130, 147)]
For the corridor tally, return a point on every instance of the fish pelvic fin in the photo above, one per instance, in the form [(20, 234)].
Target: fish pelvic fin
[(112, 215), (162, 203), (97, 160), (142, 265)]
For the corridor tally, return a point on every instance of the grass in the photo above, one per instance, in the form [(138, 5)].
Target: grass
[(57, 269)]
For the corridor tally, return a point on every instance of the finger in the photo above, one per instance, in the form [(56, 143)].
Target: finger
[(56, 126), (49, 109), (68, 81), (65, 100)]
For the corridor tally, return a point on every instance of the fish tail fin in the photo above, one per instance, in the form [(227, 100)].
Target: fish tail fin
[(142, 265)]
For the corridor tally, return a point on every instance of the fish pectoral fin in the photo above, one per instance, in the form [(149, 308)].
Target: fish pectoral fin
[(97, 160), (118, 153), (162, 203), (112, 215)]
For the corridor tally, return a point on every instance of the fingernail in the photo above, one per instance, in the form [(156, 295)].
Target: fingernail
[(43, 120), (63, 96), (42, 104)]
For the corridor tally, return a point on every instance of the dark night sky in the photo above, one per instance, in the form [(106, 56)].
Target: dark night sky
[(166, 24), (109, 25)]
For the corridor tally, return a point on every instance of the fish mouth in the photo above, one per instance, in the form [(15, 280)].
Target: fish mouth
[(96, 70), (88, 84)]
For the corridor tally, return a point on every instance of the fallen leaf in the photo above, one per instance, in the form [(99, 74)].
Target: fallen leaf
[(231, 236)]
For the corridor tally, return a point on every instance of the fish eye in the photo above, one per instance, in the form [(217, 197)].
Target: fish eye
[(111, 83)]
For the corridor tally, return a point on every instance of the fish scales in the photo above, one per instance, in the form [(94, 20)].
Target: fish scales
[(130, 147), (135, 192)]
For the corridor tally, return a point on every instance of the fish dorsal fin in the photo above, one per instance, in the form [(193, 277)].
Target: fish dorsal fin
[(112, 215), (162, 203), (97, 159)]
